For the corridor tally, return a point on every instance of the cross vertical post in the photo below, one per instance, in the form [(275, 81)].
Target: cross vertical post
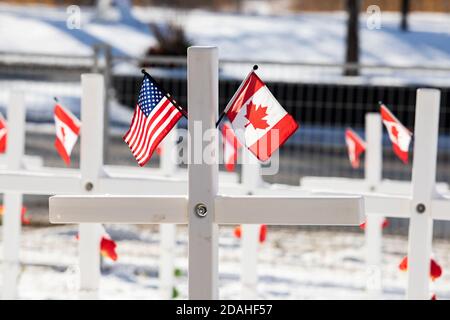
[(251, 179), (91, 162), (423, 180), (373, 228), (13, 200), (203, 172), (167, 232)]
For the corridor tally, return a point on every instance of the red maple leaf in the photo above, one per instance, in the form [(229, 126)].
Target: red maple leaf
[(255, 116)]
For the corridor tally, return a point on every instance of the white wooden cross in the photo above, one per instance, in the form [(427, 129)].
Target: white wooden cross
[(425, 203), (372, 182), (203, 209), (16, 181)]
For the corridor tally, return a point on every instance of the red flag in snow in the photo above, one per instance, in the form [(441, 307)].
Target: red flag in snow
[(3, 134), (384, 224), (355, 147), (67, 131), (108, 247), (262, 232), (399, 135), (230, 147), (435, 268), (259, 121)]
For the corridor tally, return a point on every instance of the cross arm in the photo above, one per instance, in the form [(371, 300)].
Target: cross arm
[(440, 208), (41, 182), (388, 205), (323, 210), (334, 184), (118, 209)]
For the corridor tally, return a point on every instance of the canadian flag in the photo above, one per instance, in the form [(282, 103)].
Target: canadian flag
[(355, 147), (67, 132), (231, 146), (3, 134), (400, 136), (259, 121)]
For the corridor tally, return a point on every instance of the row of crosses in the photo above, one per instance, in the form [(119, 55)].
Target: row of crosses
[(203, 208)]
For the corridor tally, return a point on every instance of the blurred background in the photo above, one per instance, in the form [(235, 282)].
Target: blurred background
[(328, 62)]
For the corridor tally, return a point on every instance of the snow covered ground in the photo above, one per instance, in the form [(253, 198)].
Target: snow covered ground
[(306, 37), (294, 264)]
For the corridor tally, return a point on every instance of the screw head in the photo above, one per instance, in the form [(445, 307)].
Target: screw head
[(89, 186), (201, 210), (420, 208)]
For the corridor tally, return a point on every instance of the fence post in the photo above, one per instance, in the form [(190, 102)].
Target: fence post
[(373, 232), (167, 232), (203, 169), (251, 178), (91, 162), (423, 180), (13, 201)]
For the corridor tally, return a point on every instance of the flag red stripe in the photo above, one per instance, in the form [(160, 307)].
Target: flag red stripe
[(133, 125), (62, 151), (139, 124), (68, 119), (161, 136), (264, 147), (159, 121), (387, 115), (147, 121), (252, 85)]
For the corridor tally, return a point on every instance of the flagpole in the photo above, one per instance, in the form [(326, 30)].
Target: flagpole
[(255, 67), (168, 96)]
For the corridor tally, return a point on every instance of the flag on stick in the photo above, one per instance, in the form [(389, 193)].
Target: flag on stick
[(67, 132), (259, 121), (3, 134), (399, 135), (355, 147), (154, 116)]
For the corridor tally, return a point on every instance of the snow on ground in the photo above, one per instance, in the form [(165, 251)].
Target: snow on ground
[(304, 37), (294, 264)]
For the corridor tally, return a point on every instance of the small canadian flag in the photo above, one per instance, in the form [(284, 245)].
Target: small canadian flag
[(259, 121), (231, 146), (355, 147), (399, 135), (3, 134), (67, 132)]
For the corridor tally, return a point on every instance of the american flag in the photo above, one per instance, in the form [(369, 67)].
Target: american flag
[(155, 115)]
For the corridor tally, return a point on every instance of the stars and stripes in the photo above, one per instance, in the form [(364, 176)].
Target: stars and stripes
[(154, 116)]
